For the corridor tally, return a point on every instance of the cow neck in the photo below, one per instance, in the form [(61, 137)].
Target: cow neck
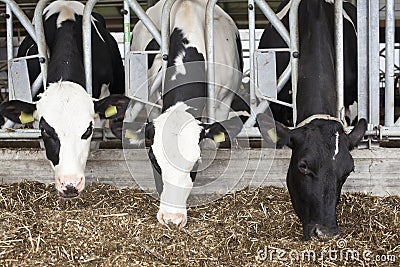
[(316, 84), (66, 57)]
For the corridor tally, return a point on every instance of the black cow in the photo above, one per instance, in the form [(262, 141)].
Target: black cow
[(65, 111), (176, 133), (321, 159)]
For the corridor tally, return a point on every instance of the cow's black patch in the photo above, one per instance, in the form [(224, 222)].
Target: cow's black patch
[(152, 46), (88, 132), (66, 55), (51, 141)]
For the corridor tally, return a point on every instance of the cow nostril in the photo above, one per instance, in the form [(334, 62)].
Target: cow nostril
[(70, 192), (323, 233)]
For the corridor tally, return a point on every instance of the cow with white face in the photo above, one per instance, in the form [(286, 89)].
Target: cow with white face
[(175, 135), (64, 111)]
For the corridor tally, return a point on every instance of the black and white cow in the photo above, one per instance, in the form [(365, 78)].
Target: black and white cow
[(176, 133), (65, 112), (321, 159)]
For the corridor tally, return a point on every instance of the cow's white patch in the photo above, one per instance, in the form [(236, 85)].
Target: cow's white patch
[(176, 148), (179, 65), (68, 108), (336, 145), (67, 10)]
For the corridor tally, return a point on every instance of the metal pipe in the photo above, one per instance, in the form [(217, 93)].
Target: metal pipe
[(362, 58), (374, 62), (339, 64), (10, 45), (145, 19), (165, 34), (87, 43), (210, 60), (389, 63), (41, 39), (127, 29), (23, 19), (294, 52), (252, 48)]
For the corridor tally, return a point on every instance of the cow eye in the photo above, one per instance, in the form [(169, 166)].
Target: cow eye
[(88, 132), (303, 167)]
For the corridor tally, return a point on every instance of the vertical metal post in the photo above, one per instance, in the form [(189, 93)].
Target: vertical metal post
[(87, 43), (339, 60), (374, 61), (210, 60), (10, 46), (41, 39), (362, 61), (389, 63), (165, 35), (294, 52), (127, 29), (252, 48)]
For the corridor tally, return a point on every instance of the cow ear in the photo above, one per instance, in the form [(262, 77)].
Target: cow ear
[(18, 111), (222, 131), (357, 133), (112, 106), (273, 132), (146, 133)]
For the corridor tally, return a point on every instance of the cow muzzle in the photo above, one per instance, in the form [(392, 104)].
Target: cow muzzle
[(179, 219), (70, 186), (323, 233)]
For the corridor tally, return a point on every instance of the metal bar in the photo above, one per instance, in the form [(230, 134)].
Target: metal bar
[(165, 34), (41, 39), (252, 48), (10, 45), (127, 29), (17, 11), (210, 60), (389, 63), (374, 62), (362, 58), (294, 52), (87, 43), (145, 19), (339, 64)]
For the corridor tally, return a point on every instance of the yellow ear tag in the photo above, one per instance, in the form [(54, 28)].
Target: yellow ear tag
[(26, 118), (218, 138), (272, 135), (110, 111), (130, 135)]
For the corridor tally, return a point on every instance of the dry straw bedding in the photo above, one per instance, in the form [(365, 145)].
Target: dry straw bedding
[(107, 226)]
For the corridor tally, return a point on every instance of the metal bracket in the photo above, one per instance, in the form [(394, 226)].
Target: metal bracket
[(136, 83)]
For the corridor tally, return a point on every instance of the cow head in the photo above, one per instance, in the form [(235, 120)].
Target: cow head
[(175, 151), (66, 114), (319, 166)]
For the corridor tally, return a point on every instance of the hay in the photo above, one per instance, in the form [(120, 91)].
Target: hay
[(117, 227)]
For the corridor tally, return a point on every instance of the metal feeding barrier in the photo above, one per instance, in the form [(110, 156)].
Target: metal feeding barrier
[(264, 89)]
